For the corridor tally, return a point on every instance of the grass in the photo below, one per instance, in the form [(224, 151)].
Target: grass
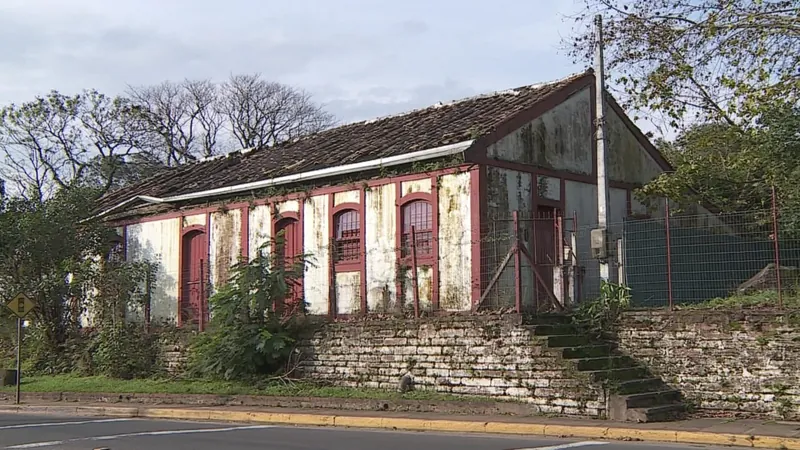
[(71, 383), (762, 299)]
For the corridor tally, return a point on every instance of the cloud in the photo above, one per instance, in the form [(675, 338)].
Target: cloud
[(360, 57)]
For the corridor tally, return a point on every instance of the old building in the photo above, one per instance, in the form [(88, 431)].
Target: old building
[(349, 197)]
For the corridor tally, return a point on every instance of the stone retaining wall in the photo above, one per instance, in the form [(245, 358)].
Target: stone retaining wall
[(736, 362), (487, 355)]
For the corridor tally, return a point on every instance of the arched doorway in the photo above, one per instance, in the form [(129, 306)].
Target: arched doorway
[(291, 246), (194, 276)]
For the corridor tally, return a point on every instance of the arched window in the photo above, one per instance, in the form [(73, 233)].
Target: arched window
[(417, 214), (347, 236)]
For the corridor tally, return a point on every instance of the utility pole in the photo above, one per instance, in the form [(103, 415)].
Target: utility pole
[(600, 237)]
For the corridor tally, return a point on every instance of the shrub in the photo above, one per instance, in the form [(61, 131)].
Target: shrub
[(253, 328)]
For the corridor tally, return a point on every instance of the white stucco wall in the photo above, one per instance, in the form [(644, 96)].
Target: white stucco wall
[(559, 139), (225, 245), (381, 220), (346, 197), (455, 239), (159, 242), (259, 228), (316, 282)]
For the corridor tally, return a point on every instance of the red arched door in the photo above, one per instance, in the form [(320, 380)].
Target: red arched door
[(288, 228), (194, 264)]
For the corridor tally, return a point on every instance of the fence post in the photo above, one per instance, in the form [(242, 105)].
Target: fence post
[(777, 246), (200, 318), (669, 253), (517, 266), (414, 281)]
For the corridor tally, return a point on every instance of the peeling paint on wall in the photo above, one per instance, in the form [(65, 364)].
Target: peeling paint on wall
[(381, 219), (627, 161), (346, 197), (559, 139), (225, 245), (455, 242), (316, 282), (549, 187), (260, 228), (159, 242), (424, 286), (288, 206), (348, 292), (197, 219), (423, 185)]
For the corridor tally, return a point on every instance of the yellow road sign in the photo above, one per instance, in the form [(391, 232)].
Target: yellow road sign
[(21, 305)]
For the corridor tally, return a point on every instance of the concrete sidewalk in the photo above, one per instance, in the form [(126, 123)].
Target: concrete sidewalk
[(740, 433)]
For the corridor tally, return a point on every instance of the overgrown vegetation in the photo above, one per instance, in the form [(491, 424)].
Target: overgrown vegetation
[(600, 317), (759, 299), (254, 321)]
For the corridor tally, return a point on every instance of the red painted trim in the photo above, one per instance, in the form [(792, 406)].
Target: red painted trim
[(476, 182), (244, 238), (345, 206), (299, 195), (398, 238), (191, 228), (363, 277), (435, 256), (182, 232), (347, 266), (414, 196)]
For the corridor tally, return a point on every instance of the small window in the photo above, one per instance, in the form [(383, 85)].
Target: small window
[(417, 214), (347, 236)]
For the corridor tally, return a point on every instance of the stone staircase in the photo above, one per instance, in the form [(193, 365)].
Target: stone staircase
[(634, 394)]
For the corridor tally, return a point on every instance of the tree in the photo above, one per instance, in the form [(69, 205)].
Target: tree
[(198, 118), (735, 169), (725, 61), (47, 253), (260, 113), (59, 142), (182, 120)]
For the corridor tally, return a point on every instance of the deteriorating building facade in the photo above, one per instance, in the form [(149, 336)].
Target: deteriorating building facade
[(399, 213)]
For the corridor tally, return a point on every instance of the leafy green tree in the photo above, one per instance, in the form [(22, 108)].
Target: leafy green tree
[(720, 61), (48, 254), (735, 169), (253, 328)]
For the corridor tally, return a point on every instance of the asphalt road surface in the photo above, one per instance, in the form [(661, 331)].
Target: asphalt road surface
[(19, 431)]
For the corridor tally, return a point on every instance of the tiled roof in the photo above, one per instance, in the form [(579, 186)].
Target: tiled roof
[(434, 126)]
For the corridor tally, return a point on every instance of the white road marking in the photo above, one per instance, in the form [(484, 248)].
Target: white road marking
[(141, 433), (59, 424), (565, 446)]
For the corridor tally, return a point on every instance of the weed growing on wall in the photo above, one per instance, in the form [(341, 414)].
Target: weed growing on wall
[(600, 317), (255, 321)]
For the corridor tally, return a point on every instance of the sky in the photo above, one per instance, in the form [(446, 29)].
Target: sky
[(360, 58)]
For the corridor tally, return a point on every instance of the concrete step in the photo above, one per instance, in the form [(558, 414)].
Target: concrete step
[(653, 398), (618, 375), (606, 363), (660, 413), (548, 319), (588, 351), (639, 385), (569, 340)]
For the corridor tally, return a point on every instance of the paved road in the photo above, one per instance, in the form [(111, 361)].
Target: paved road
[(73, 433)]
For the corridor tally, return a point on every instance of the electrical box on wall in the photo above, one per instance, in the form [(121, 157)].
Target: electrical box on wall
[(599, 243)]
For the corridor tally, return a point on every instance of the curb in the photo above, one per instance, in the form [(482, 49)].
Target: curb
[(409, 424)]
